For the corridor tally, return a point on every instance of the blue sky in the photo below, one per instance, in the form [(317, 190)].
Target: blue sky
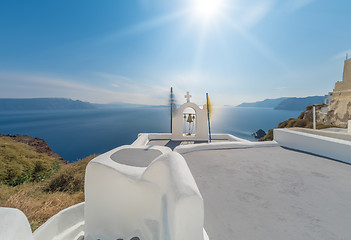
[(134, 51)]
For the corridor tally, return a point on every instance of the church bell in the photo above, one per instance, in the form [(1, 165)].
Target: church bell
[(190, 119)]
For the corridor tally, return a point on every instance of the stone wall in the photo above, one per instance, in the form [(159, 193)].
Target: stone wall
[(340, 106), (339, 112)]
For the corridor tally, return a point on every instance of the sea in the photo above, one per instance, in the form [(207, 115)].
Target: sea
[(75, 134)]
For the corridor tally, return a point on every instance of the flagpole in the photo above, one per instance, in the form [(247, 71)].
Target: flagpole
[(171, 107), (208, 117)]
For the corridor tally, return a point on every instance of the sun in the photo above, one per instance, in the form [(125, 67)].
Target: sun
[(207, 9)]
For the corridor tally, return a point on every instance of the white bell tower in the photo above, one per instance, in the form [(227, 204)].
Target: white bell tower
[(198, 119)]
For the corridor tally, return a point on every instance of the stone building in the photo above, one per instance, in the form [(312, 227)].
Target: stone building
[(340, 106), (328, 98)]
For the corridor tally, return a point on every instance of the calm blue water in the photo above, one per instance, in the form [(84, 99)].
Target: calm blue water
[(75, 134)]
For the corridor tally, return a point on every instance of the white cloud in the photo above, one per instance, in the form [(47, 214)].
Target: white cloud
[(112, 77), (280, 88), (125, 84), (19, 85)]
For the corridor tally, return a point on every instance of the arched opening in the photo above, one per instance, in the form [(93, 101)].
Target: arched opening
[(189, 122), (326, 100)]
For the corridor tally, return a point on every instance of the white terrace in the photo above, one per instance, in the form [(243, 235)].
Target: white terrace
[(296, 187)]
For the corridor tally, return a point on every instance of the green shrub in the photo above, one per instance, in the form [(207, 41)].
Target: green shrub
[(268, 136), (21, 163), (70, 178), (37, 184)]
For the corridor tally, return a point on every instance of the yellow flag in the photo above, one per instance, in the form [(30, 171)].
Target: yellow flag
[(209, 107)]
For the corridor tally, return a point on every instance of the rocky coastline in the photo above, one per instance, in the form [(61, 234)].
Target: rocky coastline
[(39, 144)]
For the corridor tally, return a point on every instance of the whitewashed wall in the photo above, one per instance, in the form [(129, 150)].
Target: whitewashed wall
[(324, 146), (223, 145)]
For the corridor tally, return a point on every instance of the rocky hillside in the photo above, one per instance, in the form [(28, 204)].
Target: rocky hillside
[(308, 113), (36, 180), (39, 144), (304, 120)]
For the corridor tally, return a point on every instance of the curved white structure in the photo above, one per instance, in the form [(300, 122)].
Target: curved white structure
[(14, 225), (132, 192), (67, 224), (161, 201)]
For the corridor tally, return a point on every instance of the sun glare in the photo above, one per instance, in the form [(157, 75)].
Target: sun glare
[(207, 9)]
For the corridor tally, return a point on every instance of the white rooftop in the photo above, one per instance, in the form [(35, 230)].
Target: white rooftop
[(242, 190), (272, 193)]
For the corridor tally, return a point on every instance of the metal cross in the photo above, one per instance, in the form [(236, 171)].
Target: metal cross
[(187, 96)]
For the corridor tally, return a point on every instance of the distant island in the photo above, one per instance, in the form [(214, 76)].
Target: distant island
[(283, 103), (61, 104), (42, 104), (286, 103), (267, 103)]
